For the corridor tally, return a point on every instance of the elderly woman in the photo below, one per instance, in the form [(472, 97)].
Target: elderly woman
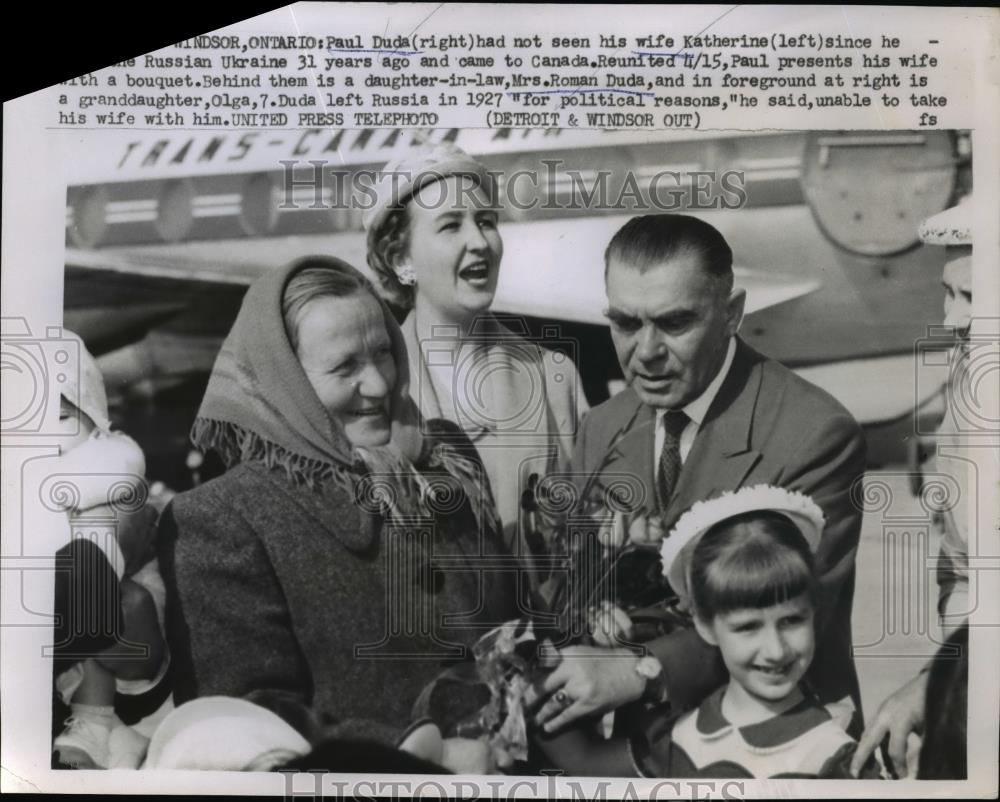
[(339, 562), (434, 244)]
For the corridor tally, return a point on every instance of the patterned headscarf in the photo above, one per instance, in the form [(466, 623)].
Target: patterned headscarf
[(260, 405)]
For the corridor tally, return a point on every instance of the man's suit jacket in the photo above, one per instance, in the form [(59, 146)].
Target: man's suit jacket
[(765, 425)]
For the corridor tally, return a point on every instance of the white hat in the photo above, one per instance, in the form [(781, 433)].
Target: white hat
[(84, 384), (403, 177), (951, 227), (680, 543), (223, 733)]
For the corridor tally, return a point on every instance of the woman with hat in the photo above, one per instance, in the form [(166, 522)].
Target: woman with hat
[(435, 246), (339, 561)]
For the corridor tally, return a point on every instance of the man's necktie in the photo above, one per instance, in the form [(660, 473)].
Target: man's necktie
[(673, 423)]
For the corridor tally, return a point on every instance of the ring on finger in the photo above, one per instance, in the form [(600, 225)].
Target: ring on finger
[(562, 698)]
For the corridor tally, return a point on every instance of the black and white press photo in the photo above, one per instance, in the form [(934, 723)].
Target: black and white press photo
[(467, 397)]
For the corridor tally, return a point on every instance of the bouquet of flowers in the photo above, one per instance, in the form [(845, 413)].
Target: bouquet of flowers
[(605, 580), (485, 699), (599, 581)]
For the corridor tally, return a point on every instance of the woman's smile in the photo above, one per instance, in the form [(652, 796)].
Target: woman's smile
[(368, 413), (476, 273)]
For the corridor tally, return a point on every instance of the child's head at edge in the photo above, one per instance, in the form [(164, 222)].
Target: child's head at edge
[(74, 427), (83, 403)]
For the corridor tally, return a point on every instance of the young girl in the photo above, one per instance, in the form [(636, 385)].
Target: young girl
[(743, 563), (109, 653)]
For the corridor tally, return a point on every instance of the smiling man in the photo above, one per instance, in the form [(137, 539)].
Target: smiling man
[(704, 414)]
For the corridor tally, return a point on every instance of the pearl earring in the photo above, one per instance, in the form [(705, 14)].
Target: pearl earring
[(406, 275)]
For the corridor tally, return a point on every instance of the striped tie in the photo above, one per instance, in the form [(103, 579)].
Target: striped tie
[(674, 422)]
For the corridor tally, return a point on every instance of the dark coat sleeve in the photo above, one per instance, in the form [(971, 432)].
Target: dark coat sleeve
[(227, 620), (825, 467), (229, 627)]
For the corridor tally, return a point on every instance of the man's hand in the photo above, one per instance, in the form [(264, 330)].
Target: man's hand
[(588, 681), (900, 714)]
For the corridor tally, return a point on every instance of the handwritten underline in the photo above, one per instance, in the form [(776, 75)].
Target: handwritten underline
[(374, 50), (574, 91)]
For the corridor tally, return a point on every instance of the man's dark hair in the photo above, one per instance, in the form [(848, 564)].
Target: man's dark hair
[(649, 240)]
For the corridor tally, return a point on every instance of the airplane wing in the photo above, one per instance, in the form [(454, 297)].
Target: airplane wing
[(555, 269), (551, 268), (882, 389), (821, 297), (222, 262), (829, 276)]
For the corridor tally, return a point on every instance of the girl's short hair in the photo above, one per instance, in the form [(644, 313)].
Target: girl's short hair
[(315, 280), (753, 560), (388, 246)]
